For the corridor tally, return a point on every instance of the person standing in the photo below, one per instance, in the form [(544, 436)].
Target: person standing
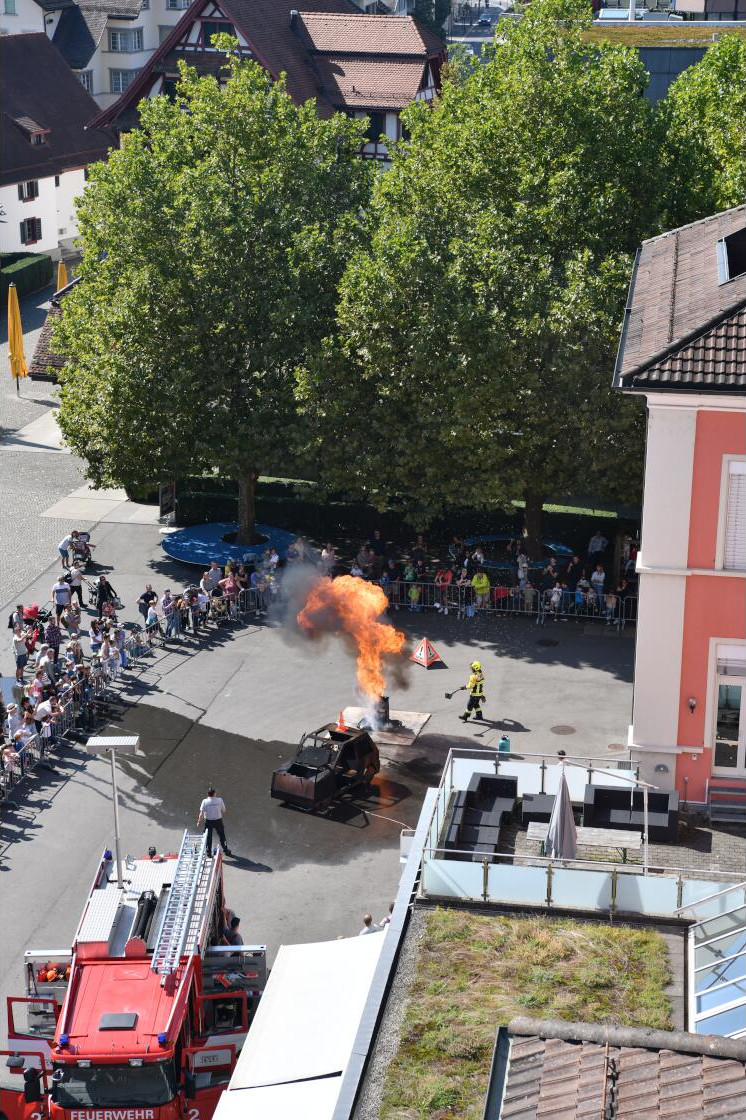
[(64, 549), (75, 579), (475, 688), (597, 546), (20, 652), (148, 596), (211, 813), (61, 596), (369, 926), (598, 579)]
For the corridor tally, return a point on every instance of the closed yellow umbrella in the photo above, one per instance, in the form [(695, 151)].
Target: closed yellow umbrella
[(15, 339), (62, 280)]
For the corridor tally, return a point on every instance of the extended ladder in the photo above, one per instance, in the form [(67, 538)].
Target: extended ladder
[(189, 883)]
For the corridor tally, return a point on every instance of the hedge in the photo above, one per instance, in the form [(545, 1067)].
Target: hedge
[(28, 271)]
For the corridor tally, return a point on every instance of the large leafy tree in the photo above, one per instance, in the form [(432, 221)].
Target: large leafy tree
[(703, 122), (477, 332), (214, 243)]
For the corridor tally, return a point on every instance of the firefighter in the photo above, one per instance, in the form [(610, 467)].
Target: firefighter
[(475, 688)]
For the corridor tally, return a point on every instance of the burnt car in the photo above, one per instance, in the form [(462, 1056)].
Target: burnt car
[(330, 762)]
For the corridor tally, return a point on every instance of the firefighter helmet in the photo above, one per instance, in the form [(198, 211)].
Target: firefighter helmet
[(476, 666)]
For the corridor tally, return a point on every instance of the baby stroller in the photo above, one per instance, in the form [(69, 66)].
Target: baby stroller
[(82, 551)]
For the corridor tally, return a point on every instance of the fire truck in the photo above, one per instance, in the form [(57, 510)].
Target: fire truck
[(144, 1018)]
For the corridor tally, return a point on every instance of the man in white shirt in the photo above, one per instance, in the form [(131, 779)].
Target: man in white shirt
[(211, 813), (61, 596), (76, 583), (369, 926), (597, 545), (214, 575), (598, 579), (64, 549)]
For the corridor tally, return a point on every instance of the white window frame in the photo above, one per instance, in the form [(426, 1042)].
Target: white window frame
[(722, 512), (122, 85), (10, 8), (34, 240), (85, 77), (129, 41), (733, 649), (177, 5), (28, 190)]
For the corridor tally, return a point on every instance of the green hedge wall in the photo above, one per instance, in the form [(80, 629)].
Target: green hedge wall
[(28, 271)]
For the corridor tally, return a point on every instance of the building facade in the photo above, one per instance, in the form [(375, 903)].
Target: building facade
[(684, 348), (367, 66), (21, 17), (47, 146)]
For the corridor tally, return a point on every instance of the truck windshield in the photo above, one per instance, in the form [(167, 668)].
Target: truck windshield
[(152, 1083)]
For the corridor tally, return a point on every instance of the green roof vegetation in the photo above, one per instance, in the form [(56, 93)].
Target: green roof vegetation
[(475, 972), (660, 35)]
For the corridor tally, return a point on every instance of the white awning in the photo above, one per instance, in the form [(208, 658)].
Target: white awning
[(302, 1035)]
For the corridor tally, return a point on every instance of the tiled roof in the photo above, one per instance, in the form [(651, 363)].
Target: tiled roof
[(78, 34), (676, 308), (37, 83), (335, 33), (661, 1076), (715, 360), (369, 82)]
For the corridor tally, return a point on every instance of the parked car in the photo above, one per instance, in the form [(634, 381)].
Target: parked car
[(497, 557), (484, 21)]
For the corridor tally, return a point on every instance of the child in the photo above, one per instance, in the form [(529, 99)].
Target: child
[(415, 592)]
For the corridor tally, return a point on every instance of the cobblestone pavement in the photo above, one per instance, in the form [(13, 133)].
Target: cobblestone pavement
[(700, 847), (30, 481)]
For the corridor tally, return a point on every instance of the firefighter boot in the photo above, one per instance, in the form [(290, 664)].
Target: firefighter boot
[(465, 717)]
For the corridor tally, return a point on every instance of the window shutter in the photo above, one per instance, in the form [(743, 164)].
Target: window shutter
[(38, 228), (23, 233), (735, 518), (35, 188), (20, 192)]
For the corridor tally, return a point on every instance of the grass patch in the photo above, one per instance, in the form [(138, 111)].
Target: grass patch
[(660, 35), (475, 972)]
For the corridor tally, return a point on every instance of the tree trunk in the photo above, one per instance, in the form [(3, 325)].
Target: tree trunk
[(246, 505), (532, 523)]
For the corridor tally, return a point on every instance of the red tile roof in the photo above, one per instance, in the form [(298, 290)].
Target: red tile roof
[(683, 325), (369, 83), (367, 34)]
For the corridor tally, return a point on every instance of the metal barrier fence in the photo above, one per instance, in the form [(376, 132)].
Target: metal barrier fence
[(588, 606)]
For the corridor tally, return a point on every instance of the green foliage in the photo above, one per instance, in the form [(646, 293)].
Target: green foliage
[(432, 14), (478, 331), (214, 242), (703, 121), (28, 271)]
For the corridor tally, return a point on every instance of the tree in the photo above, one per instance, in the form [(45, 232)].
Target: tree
[(432, 14), (478, 330), (214, 242), (703, 122)]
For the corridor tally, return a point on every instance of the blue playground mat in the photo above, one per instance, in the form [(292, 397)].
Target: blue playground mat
[(199, 544)]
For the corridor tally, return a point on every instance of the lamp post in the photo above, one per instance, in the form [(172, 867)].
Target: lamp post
[(114, 744)]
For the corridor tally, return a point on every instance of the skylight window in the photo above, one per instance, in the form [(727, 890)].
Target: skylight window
[(732, 256)]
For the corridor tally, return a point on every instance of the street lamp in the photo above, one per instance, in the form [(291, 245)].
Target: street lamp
[(114, 744)]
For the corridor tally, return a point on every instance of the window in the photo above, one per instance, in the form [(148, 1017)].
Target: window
[(163, 32), (126, 40), (30, 231), (145, 5), (177, 5), (86, 79), (734, 551), (27, 192), (732, 256), (120, 79), (9, 8), (376, 125), (37, 139), (213, 27), (56, 180)]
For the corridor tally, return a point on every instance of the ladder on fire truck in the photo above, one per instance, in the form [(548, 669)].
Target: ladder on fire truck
[(185, 906)]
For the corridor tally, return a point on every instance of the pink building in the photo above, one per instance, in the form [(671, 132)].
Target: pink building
[(684, 346)]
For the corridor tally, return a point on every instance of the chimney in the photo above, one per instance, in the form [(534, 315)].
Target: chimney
[(293, 17)]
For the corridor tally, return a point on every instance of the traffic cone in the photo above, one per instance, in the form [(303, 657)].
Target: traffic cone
[(426, 654), (341, 725)]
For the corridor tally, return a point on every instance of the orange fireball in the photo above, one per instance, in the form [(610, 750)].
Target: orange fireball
[(349, 606)]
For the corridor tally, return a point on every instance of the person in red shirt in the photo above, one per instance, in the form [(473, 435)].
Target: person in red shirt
[(443, 580)]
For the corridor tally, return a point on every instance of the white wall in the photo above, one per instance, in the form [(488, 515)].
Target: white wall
[(28, 18), (72, 185), (660, 627), (43, 207), (54, 206), (668, 486)]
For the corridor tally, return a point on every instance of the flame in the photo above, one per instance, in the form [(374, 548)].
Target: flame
[(348, 605)]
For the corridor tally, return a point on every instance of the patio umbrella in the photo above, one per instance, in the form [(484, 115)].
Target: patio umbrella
[(62, 280), (562, 839), (15, 339)]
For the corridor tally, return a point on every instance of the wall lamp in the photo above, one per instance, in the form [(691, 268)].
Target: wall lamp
[(692, 702)]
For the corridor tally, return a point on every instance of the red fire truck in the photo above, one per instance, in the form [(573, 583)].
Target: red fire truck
[(144, 1018)]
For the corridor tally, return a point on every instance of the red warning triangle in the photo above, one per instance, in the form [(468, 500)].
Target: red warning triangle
[(426, 654)]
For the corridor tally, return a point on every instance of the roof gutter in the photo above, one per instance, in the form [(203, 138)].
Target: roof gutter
[(617, 378)]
